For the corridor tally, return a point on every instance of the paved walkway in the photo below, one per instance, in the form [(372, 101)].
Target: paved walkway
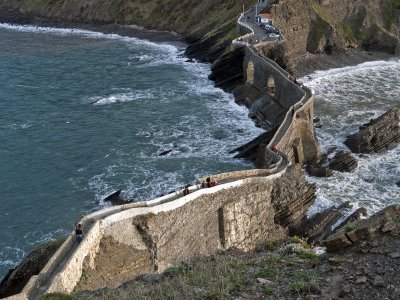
[(249, 19)]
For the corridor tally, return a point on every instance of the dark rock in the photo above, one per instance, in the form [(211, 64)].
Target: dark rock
[(115, 199), (366, 229), (343, 162), (378, 135), (317, 119), (360, 212), (346, 290), (319, 226), (362, 280), (378, 281), (227, 70), (398, 183), (165, 152), (32, 264), (292, 198), (249, 151), (319, 171)]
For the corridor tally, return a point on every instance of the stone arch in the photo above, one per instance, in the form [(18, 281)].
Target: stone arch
[(250, 72), (271, 85)]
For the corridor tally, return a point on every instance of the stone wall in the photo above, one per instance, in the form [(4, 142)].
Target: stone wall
[(270, 79), (237, 214)]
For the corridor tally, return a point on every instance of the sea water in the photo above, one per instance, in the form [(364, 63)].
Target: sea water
[(346, 98), (83, 114)]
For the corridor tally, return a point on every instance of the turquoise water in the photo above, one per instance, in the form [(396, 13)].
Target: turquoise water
[(83, 114)]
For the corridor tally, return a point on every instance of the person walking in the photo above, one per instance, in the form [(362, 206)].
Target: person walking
[(78, 233)]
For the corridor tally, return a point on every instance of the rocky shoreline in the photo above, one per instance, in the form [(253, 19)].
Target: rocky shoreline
[(304, 67)]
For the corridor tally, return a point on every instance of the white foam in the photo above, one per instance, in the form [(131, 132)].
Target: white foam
[(121, 97), (87, 34)]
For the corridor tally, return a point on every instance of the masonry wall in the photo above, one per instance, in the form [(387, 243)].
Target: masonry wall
[(237, 214), (259, 71), (299, 142)]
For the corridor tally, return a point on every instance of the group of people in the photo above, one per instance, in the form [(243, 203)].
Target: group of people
[(209, 183)]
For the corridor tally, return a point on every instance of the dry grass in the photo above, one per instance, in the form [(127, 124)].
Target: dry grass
[(224, 276)]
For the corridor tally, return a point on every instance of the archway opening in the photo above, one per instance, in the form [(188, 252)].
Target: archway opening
[(250, 72), (271, 85)]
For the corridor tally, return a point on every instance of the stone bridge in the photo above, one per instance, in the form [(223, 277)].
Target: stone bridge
[(252, 206)]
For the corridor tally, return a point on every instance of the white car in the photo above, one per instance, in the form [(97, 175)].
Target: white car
[(273, 35)]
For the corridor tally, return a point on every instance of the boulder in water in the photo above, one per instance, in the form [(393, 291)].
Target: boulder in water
[(343, 162), (378, 135)]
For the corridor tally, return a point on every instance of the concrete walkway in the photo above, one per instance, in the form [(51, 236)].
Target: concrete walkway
[(249, 17)]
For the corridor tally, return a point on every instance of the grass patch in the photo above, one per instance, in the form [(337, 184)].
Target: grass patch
[(298, 240), (56, 296), (347, 31), (349, 226), (268, 291), (267, 272), (390, 10), (306, 255), (396, 219)]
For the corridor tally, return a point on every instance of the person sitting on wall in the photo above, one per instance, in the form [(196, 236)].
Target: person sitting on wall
[(273, 148), (78, 233), (208, 182), (186, 191), (213, 182)]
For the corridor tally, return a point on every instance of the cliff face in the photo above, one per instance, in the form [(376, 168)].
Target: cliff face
[(331, 27), (209, 24), (309, 26)]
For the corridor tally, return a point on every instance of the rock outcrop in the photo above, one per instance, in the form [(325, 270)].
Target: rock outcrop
[(343, 162), (227, 70), (378, 135), (292, 198), (386, 221), (319, 226), (32, 264)]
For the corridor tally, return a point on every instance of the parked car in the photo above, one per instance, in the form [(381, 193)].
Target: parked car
[(269, 31), (273, 35), (269, 27)]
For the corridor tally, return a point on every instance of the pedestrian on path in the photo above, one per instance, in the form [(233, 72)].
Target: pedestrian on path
[(78, 233)]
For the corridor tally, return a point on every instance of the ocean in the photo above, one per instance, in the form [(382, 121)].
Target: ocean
[(83, 114), (346, 98)]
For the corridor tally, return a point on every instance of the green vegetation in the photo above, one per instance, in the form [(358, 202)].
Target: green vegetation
[(223, 275), (56, 296), (298, 240), (350, 226), (307, 255), (347, 31), (390, 11), (268, 291), (396, 219)]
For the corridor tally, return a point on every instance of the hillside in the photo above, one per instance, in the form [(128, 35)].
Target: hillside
[(311, 27)]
